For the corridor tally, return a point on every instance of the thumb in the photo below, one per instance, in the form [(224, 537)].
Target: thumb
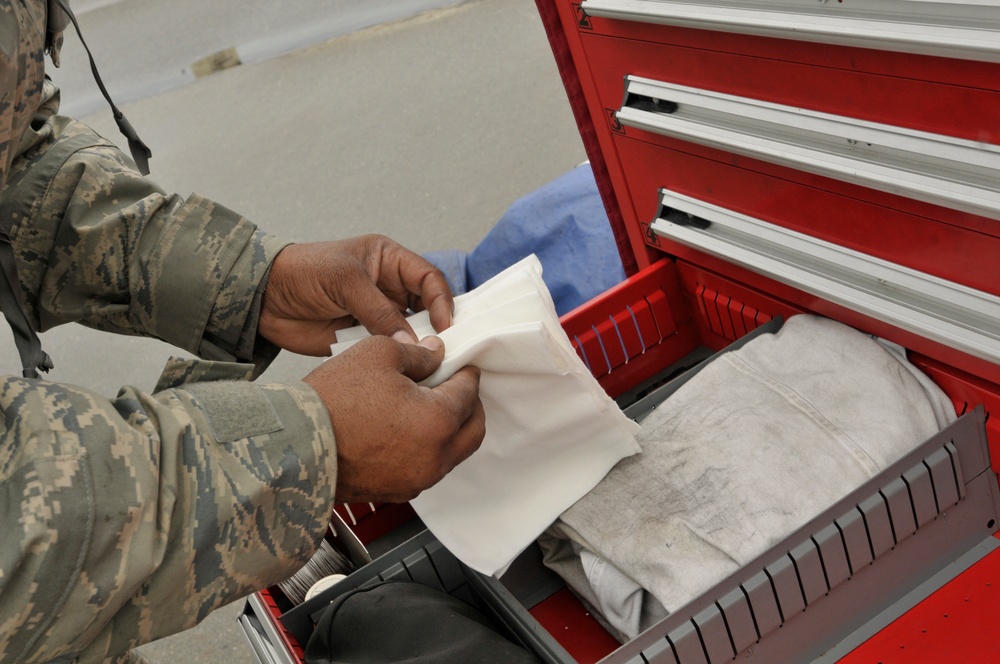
[(418, 361)]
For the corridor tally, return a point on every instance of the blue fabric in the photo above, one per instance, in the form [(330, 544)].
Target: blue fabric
[(565, 225)]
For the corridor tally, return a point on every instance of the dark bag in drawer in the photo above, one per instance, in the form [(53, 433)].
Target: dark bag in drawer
[(399, 621)]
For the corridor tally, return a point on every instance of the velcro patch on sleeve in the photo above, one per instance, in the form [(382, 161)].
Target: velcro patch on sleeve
[(235, 409)]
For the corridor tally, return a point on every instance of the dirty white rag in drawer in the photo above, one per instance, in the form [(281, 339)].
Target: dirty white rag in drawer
[(757, 443)]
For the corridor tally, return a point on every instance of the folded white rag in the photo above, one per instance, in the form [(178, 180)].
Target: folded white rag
[(551, 431), (760, 441)]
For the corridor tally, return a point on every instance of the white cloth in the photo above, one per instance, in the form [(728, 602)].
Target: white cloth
[(760, 441), (551, 431)]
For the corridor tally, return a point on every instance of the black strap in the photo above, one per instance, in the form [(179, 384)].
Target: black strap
[(29, 347), (140, 152), (25, 188)]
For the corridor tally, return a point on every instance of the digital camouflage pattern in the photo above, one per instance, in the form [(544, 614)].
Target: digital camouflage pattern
[(126, 520), (129, 519)]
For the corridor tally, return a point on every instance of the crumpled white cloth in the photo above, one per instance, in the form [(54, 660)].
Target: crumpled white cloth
[(552, 433), (760, 441)]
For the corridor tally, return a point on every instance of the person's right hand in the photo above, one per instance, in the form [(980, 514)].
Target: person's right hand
[(396, 438)]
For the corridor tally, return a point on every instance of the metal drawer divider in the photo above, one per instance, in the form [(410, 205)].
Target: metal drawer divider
[(948, 28), (849, 571), (262, 635), (938, 169)]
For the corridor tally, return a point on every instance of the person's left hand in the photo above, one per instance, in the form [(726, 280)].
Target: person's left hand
[(316, 289)]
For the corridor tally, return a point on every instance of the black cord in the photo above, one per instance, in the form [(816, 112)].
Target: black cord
[(140, 152)]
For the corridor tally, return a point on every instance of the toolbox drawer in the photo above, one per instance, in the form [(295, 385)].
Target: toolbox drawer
[(962, 111), (880, 33), (852, 216), (841, 577)]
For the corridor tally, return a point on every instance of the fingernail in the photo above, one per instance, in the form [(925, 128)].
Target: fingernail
[(431, 343), (404, 337)]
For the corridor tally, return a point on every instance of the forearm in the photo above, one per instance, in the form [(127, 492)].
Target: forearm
[(137, 517), (108, 248)]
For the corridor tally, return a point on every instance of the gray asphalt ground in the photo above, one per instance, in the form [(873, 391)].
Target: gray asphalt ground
[(425, 129), (147, 47)]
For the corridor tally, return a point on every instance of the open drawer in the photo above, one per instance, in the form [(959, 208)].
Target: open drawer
[(813, 597), (842, 577)]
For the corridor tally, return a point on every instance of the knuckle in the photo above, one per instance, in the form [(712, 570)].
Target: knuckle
[(445, 423), (375, 244), (379, 344), (381, 351), (384, 316)]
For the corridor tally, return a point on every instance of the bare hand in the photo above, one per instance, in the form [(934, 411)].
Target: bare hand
[(316, 289), (394, 437)]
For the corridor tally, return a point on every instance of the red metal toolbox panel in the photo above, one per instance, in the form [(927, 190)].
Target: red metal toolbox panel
[(948, 626), (896, 210)]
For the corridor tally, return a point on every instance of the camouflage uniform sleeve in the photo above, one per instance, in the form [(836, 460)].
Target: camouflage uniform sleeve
[(132, 519), (108, 248), (22, 68)]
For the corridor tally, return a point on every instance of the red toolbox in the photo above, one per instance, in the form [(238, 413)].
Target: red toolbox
[(757, 159)]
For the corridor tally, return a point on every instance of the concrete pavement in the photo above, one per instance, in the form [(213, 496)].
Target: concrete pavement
[(147, 47), (425, 130)]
